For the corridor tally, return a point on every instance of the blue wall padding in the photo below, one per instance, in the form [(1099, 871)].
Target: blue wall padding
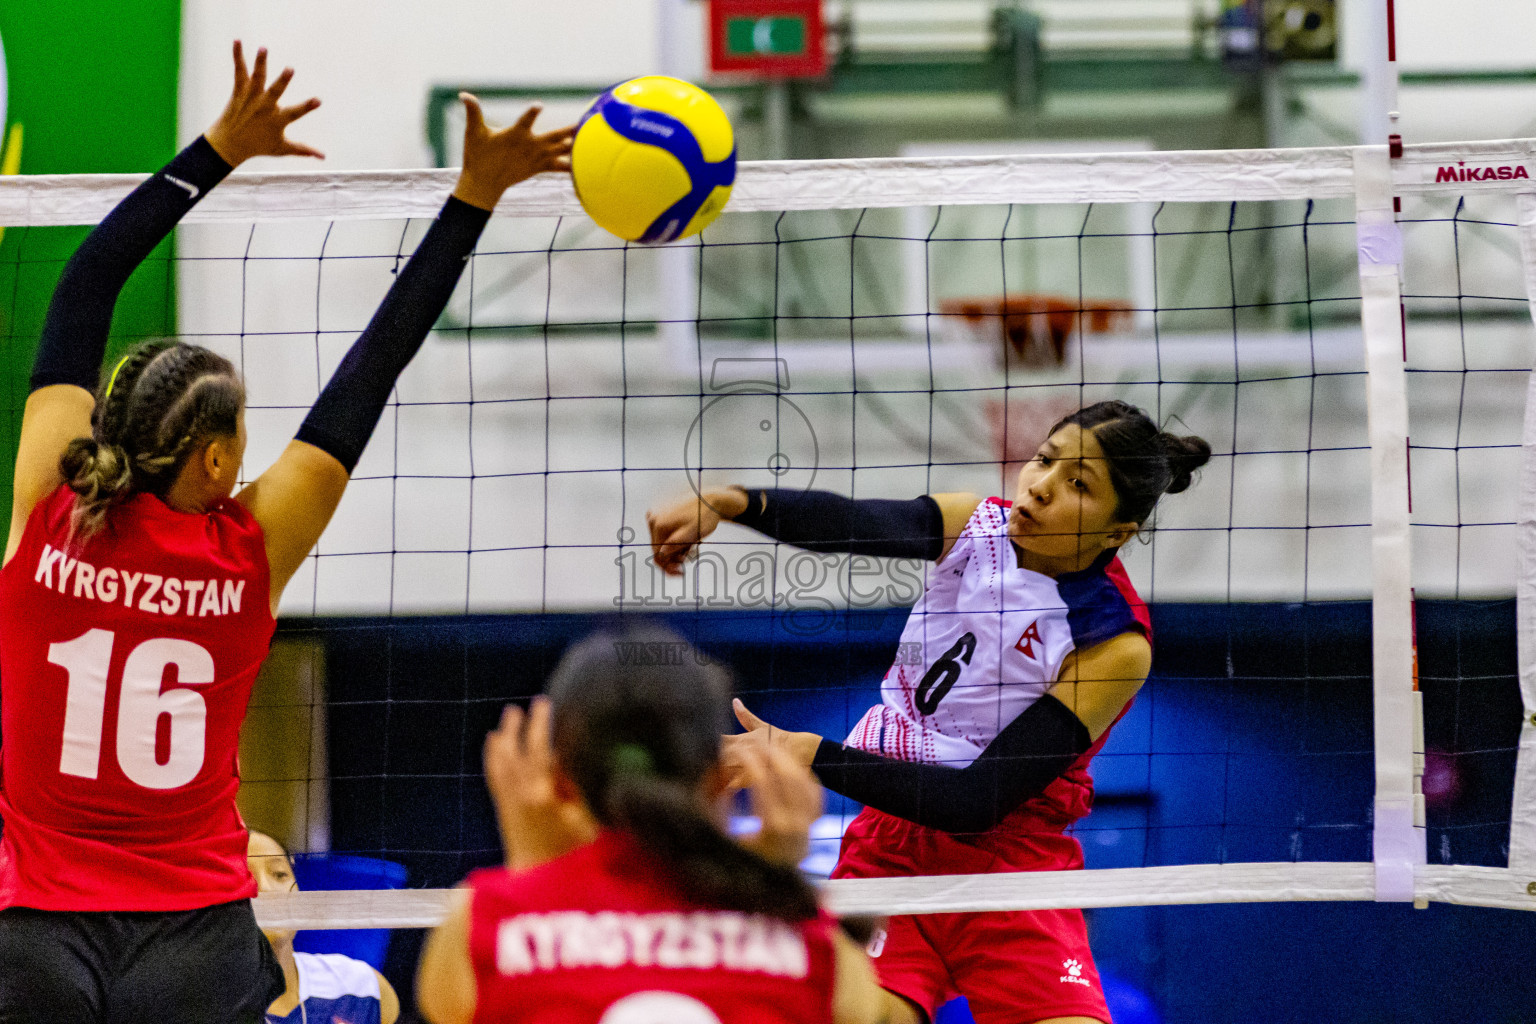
[(320, 871)]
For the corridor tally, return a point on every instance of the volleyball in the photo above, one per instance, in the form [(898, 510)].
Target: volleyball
[(654, 159)]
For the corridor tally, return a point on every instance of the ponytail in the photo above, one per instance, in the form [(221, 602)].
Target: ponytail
[(710, 867), (640, 741)]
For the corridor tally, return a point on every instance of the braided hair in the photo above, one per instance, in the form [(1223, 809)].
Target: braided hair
[(162, 402), (1144, 462)]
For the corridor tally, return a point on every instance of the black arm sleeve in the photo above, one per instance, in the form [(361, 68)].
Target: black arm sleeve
[(343, 417), (80, 315), (1028, 755), (823, 521)]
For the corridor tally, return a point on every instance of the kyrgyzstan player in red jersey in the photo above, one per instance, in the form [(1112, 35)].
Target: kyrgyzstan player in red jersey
[(138, 596), (1032, 645), (623, 900)]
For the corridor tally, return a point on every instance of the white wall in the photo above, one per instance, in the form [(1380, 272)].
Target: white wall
[(373, 62), (508, 477), (1435, 35)]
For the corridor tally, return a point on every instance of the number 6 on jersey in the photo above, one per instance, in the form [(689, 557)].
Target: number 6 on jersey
[(141, 702)]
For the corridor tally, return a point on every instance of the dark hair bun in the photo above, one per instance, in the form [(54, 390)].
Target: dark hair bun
[(1185, 455), (95, 471), (100, 476)]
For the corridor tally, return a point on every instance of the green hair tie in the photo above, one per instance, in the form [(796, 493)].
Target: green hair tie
[(631, 759), (112, 380)]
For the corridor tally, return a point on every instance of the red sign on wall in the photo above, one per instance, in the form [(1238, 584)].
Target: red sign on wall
[(767, 38)]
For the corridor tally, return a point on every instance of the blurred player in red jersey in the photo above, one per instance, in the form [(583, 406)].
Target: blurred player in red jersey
[(138, 596), (623, 900), (1033, 644)]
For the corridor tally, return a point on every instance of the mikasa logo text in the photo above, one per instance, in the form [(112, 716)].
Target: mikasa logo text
[(1461, 172)]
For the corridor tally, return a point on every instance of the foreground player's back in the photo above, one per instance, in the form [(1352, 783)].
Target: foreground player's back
[(114, 811), (596, 937)]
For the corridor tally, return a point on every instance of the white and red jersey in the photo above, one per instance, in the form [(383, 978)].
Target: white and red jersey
[(127, 664), (599, 937), (992, 639)]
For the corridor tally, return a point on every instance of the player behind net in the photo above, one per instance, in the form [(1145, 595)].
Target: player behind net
[(1033, 645), (623, 900), (138, 596), (318, 986)]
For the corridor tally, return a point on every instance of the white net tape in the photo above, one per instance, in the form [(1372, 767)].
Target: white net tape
[(772, 186), (1025, 890), (1364, 174)]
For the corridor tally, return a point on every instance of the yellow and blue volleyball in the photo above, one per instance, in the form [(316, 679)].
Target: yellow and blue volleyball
[(654, 159)]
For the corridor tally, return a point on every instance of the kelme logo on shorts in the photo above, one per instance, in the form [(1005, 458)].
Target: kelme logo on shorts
[(1074, 975), (1461, 172)]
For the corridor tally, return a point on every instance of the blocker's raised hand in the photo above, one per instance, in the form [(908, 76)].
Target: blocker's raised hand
[(254, 123), (494, 161), (538, 822)]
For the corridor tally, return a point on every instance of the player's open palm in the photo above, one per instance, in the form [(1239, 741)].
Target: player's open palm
[(255, 123), (495, 160)]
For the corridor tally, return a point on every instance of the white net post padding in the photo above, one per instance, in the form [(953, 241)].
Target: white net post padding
[(1364, 174), (1522, 826)]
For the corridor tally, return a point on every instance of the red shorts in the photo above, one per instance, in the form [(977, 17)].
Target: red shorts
[(1013, 967)]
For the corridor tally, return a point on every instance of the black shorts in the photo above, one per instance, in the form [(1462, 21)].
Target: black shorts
[(208, 966)]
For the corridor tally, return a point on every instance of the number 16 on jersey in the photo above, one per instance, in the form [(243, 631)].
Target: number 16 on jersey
[(141, 703)]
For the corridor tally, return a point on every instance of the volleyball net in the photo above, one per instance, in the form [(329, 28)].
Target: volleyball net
[(1346, 666)]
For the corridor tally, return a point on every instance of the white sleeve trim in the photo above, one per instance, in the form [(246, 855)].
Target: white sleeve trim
[(333, 975)]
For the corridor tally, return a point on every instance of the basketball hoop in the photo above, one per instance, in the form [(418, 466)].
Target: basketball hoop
[(1031, 332), (1035, 329)]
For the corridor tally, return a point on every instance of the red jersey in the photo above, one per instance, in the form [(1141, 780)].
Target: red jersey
[(127, 666), (597, 937)]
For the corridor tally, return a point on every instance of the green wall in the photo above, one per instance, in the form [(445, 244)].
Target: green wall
[(94, 85)]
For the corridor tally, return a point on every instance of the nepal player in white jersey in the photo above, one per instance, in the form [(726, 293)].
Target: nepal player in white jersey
[(1033, 645)]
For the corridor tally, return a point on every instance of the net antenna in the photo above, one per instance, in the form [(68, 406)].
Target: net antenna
[(1379, 112)]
